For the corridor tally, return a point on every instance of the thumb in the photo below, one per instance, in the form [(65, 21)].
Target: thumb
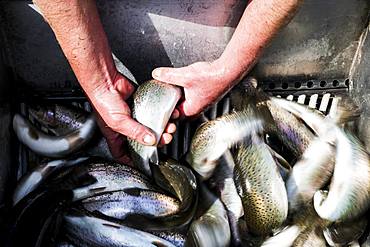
[(175, 76), (136, 131)]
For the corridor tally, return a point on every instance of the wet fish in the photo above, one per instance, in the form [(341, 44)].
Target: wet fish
[(111, 177), (53, 146), (62, 120), (290, 130), (342, 234), (305, 229), (213, 138), (119, 204), (212, 227), (33, 179), (310, 174), (59, 119), (349, 190), (260, 187), (178, 181), (153, 105), (90, 231), (176, 238), (224, 186)]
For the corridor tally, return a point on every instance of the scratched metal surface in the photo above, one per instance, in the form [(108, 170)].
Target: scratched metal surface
[(319, 43)]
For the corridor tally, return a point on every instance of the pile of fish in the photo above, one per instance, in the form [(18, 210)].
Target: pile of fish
[(270, 173)]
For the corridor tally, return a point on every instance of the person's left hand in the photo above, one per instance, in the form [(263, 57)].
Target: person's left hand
[(203, 83)]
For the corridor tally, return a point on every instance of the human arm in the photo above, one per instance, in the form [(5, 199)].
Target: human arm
[(78, 29), (206, 82)]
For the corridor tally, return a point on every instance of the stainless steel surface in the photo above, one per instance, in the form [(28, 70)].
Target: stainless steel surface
[(360, 88), (320, 41)]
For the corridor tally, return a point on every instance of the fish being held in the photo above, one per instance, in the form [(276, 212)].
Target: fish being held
[(53, 146), (260, 187), (154, 102)]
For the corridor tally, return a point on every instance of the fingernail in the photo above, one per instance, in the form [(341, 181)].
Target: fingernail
[(157, 73), (148, 139)]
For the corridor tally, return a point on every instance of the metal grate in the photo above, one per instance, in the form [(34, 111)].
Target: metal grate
[(319, 94)]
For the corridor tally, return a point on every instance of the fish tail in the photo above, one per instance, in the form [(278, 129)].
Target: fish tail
[(344, 109), (285, 238)]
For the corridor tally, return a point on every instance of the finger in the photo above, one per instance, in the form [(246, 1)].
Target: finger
[(165, 139), (175, 114), (134, 130), (176, 76), (170, 128)]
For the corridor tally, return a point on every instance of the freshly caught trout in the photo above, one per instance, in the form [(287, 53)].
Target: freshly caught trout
[(180, 182), (213, 138), (111, 177), (33, 179), (153, 104), (342, 234), (87, 231), (310, 174), (290, 130), (212, 227), (349, 191), (53, 146), (119, 204), (260, 187), (61, 120)]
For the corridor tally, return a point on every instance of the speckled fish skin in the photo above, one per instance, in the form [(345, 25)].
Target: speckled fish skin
[(87, 231), (176, 238), (61, 120), (260, 187), (304, 229), (310, 174), (57, 118), (153, 105), (119, 204), (111, 177), (53, 146), (286, 127), (349, 190), (33, 179), (213, 138), (224, 186), (178, 181), (212, 227), (341, 234)]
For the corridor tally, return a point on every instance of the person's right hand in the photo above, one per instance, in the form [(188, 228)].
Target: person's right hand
[(109, 102)]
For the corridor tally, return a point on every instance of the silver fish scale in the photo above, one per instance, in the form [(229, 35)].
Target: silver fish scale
[(319, 93)]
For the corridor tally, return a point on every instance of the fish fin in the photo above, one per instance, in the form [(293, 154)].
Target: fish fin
[(154, 158), (344, 109), (284, 238), (281, 162)]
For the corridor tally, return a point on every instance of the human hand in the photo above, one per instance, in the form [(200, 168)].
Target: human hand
[(115, 119), (203, 83)]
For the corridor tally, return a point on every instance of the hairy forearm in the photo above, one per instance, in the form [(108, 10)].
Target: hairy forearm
[(78, 29), (260, 22)]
